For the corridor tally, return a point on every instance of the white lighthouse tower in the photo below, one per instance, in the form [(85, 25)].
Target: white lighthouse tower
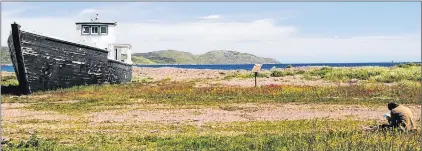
[(102, 35)]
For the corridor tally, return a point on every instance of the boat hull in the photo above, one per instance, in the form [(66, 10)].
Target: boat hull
[(44, 63)]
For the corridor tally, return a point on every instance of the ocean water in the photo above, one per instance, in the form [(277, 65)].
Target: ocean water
[(9, 68), (268, 66)]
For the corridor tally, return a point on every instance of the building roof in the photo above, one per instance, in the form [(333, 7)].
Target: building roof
[(123, 46), (96, 23)]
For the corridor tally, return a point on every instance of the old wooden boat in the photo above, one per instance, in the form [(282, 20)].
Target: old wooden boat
[(45, 63)]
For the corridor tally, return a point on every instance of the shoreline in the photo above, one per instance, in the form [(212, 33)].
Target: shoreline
[(240, 70), (237, 69), (302, 76), (289, 63)]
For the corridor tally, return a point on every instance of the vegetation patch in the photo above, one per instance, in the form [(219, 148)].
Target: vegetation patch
[(410, 72), (280, 135), (100, 97), (9, 80), (281, 73), (142, 80), (247, 75)]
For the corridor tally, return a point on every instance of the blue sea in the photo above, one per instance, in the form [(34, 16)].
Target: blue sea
[(9, 68)]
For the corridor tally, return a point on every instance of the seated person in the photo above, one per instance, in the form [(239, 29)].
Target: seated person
[(400, 117)]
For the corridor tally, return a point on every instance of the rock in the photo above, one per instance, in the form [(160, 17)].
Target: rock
[(154, 131), (32, 132), (4, 140), (353, 81)]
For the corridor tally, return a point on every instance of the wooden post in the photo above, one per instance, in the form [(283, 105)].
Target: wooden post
[(256, 69), (256, 73)]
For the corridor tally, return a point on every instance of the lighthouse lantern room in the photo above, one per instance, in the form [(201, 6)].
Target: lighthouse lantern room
[(102, 35)]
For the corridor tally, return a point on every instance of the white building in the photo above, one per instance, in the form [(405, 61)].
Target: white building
[(102, 35)]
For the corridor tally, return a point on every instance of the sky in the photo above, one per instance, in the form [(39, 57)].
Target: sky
[(290, 32)]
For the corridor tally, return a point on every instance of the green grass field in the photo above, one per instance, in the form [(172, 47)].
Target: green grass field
[(280, 135), (79, 104), (96, 98)]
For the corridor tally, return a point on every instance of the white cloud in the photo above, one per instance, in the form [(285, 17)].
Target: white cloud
[(211, 17), (55, 27), (286, 17), (15, 8), (12, 12), (260, 37), (89, 11)]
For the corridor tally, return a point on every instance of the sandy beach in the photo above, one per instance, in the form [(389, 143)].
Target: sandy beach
[(217, 77)]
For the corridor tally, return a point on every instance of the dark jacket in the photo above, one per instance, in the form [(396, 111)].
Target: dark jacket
[(401, 116)]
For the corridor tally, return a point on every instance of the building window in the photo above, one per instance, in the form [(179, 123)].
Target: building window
[(103, 29), (85, 30), (94, 29), (90, 29)]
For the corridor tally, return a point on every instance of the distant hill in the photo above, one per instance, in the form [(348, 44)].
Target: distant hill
[(212, 57), (165, 57), (181, 57), (232, 57)]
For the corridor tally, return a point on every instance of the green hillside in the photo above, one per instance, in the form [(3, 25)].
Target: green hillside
[(232, 57), (181, 57), (212, 57), (166, 57)]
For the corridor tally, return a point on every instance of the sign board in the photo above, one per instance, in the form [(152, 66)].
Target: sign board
[(256, 67)]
